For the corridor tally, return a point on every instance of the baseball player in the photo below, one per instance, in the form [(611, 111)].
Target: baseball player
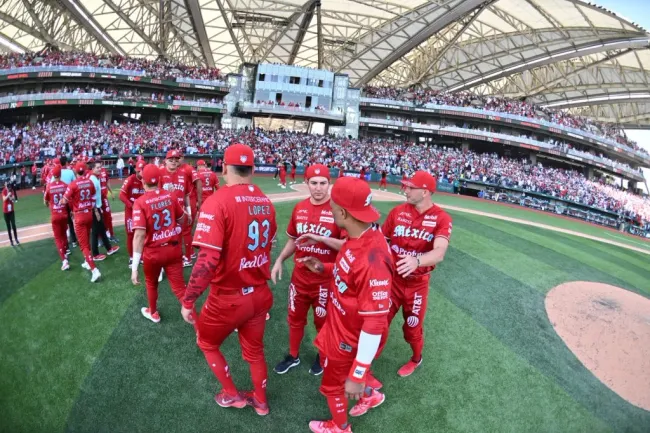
[(293, 172), (106, 207), (174, 179), (418, 232), (132, 189), (359, 304), (157, 222), (306, 290), (209, 180), (402, 188), (283, 175), (53, 198), (235, 229), (80, 194), (383, 182), (196, 199)]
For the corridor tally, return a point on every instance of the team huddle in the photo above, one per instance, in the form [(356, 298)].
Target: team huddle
[(353, 273)]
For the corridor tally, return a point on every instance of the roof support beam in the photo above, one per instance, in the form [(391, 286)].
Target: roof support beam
[(302, 30), (552, 57), (133, 26), (41, 28), (85, 19), (25, 28), (319, 33), (199, 28), (12, 44), (413, 28), (274, 39)]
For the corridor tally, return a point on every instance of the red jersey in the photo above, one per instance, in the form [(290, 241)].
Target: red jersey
[(363, 277), (293, 169), (412, 233), (193, 176), (177, 181), (8, 204), (209, 182), (319, 220), (54, 192), (103, 182), (238, 221), (81, 194), (132, 189), (159, 215)]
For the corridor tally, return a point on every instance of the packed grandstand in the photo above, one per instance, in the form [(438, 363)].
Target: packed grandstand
[(92, 139)]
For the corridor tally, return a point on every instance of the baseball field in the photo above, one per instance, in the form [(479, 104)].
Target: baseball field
[(79, 357)]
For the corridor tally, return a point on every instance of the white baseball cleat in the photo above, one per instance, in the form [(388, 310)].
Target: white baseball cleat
[(65, 266), (160, 277), (95, 276), (86, 266), (155, 317)]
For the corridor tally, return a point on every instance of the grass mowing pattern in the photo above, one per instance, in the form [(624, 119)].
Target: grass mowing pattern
[(80, 357)]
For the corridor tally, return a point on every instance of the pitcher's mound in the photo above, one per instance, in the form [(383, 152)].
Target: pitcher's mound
[(608, 329), (377, 195)]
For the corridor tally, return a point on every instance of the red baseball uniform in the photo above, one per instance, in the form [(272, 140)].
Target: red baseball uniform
[(293, 172), (235, 230), (193, 176), (132, 189), (307, 289), (106, 207), (402, 187), (283, 175), (180, 182), (209, 182), (362, 173), (54, 192), (412, 233), (81, 196), (160, 215), (363, 276), (383, 182)]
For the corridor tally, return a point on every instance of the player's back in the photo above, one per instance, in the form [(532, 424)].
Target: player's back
[(209, 182), (54, 194), (239, 221), (158, 213), (82, 194)]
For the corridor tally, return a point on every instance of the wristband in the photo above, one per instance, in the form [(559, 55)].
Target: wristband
[(136, 259), (358, 372)]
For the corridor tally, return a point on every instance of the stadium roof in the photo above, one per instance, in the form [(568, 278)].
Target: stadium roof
[(564, 53)]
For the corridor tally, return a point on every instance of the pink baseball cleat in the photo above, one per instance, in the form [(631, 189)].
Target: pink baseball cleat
[(367, 403), (408, 368), (227, 400), (328, 427), (261, 409)]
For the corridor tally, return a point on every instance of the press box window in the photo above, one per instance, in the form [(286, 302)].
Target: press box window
[(294, 80), (262, 77)]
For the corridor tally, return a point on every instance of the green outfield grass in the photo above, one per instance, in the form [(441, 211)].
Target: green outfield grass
[(79, 357)]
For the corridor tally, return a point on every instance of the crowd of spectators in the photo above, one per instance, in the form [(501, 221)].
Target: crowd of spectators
[(52, 139), (503, 105), (163, 69)]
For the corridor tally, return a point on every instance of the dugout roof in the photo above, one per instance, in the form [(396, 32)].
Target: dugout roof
[(565, 53)]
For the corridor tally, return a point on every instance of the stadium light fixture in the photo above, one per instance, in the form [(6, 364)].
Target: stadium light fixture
[(8, 44), (598, 99)]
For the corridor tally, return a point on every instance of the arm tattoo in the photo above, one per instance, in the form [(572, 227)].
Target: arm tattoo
[(203, 272)]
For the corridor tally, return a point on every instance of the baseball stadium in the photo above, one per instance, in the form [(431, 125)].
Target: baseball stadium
[(216, 209)]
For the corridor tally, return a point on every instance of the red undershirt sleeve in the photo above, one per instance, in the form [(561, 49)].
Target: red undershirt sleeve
[(203, 272)]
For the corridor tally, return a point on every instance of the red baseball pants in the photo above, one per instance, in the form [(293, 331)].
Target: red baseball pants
[(411, 296), (128, 224), (383, 183), (59, 228), (169, 258), (332, 386), (301, 299), (83, 223), (242, 310)]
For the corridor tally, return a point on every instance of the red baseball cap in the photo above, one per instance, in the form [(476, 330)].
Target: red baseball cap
[(317, 170), (173, 154), (421, 180), (239, 154), (56, 171), (354, 195), (200, 162), (150, 174), (140, 165), (80, 167)]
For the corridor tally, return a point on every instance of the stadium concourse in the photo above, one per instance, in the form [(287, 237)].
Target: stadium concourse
[(91, 139)]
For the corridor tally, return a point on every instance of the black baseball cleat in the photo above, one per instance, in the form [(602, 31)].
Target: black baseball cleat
[(288, 363), (316, 368)]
